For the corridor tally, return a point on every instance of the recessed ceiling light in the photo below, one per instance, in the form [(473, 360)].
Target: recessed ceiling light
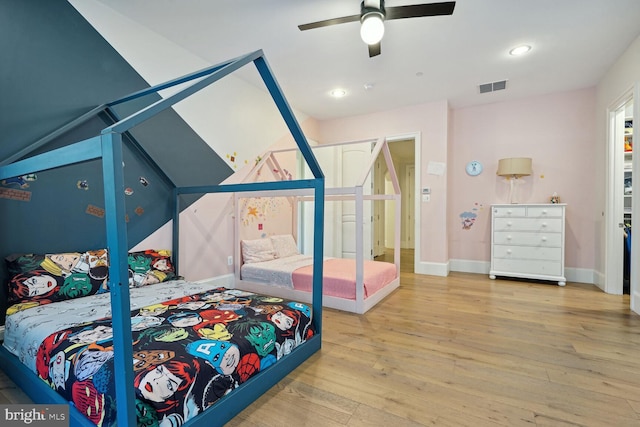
[(338, 93), (520, 50)]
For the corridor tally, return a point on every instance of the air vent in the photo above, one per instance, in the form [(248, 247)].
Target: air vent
[(492, 87)]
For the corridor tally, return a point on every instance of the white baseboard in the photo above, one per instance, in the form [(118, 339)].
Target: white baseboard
[(580, 275), (432, 268), (470, 266), (226, 280)]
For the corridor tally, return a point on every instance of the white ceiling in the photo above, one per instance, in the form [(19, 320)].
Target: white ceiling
[(423, 59)]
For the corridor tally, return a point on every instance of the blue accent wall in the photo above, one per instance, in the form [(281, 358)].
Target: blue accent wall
[(56, 67)]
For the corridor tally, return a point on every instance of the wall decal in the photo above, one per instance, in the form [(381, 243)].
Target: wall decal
[(128, 191), (82, 184), (233, 160), (20, 181), (139, 211), (13, 194), (143, 181), (95, 211), (260, 208), (468, 218)]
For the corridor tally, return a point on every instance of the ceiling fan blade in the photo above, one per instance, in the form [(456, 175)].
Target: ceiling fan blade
[(374, 50), (327, 22), (419, 10)]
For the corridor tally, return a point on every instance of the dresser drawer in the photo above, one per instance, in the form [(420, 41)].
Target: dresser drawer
[(527, 241), (527, 252), (532, 267), (550, 240), (544, 211), (509, 211), (528, 224)]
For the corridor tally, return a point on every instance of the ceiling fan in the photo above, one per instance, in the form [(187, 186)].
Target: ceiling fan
[(373, 14)]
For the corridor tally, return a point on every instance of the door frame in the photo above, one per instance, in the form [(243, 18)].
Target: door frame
[(614, 212), (614, 202), (417, 145)]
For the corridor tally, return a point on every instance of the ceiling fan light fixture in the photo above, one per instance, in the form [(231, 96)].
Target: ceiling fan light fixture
[(338, 93), (372, 27), (520, 50)]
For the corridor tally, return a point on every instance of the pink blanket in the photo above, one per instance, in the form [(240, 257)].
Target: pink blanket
[(340, 277)]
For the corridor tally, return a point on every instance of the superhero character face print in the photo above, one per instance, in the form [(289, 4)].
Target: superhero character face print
[(97, 334), (146, 358), (59, 369), (222, 355), (153, 310), (160, 383), (262, 336), (284, 319), (40, 285), (183, 320), (164, 333), (76, 285), (138, 323), (139, 263), (192, 305), (301, 307), (66, 261), (218, 332), (89, 362)]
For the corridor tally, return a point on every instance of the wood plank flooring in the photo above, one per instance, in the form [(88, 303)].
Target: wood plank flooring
[(463, 350)]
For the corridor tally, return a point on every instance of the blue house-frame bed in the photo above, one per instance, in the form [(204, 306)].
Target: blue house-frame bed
[(108, 146)]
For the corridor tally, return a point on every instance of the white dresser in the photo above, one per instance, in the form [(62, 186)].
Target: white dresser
[(527, 241)]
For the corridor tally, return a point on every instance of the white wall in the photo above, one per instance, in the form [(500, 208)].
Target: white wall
[(239, 122), (618, 80)]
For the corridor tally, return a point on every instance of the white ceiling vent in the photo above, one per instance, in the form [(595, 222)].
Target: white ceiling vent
[(492, 87)]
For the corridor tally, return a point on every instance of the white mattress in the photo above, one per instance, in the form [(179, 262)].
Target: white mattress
[(277, 271), (27, 329)]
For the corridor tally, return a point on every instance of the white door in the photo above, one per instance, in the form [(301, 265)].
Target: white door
[(355, 157), (327, 160)]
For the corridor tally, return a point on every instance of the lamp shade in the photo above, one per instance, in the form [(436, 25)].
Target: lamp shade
[(514, 166)]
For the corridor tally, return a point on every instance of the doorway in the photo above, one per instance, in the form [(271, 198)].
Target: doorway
[(620, 270), (403, 154)]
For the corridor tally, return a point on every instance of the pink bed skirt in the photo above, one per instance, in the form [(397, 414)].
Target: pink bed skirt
[(340, 277)]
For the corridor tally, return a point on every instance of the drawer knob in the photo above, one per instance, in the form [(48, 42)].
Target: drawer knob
[(509, 251), (544, 212), (544, 238), (544, 224), (509, 237), (509, 224)]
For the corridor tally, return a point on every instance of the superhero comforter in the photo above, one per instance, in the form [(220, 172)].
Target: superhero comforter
[(189, 350)]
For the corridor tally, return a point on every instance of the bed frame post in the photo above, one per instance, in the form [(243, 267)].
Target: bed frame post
[(118, 276)]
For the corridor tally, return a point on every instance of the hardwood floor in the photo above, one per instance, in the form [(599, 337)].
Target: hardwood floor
[(463, 350)]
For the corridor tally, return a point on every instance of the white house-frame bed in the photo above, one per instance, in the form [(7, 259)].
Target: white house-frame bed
[(372, 280), (108, 147)]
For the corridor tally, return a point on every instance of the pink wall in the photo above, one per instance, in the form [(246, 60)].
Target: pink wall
[(430, 121), (558, 132)]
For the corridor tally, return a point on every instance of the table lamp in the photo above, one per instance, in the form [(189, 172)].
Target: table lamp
[(513, 168)]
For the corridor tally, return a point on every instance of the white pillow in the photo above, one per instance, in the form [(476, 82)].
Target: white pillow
[(284, 245), (257, 250)]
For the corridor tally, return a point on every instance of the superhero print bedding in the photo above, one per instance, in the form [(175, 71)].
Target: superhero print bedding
[(189, 350)]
